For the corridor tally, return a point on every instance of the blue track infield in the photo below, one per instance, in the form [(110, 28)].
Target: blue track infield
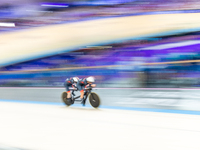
[(188, 112)]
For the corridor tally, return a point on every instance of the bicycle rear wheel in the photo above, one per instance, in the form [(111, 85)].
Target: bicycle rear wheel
[(94, 100), (64, 98)]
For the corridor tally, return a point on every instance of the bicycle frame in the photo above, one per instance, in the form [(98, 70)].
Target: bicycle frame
[(93, 98), (87, 92)]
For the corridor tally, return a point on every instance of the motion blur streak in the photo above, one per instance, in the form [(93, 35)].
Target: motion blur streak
[(110, 66), (2, 24)]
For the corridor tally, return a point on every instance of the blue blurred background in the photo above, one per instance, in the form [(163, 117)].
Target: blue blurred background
[(151, 61)]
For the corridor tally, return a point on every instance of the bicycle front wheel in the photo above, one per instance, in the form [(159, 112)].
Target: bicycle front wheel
[(94, 100)]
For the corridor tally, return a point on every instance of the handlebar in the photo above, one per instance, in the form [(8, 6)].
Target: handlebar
[(90, 88)]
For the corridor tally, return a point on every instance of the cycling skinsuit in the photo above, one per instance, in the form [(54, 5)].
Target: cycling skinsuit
[(69, 82), (82, 83)]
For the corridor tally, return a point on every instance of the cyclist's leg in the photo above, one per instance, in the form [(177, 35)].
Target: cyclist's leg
[(82, 95), (80, 88), (82, 91), (68, 94), (68, 91)]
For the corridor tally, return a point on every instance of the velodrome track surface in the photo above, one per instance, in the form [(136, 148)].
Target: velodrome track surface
[(49, 127), (161, 100), (54, 39), (36, 119)]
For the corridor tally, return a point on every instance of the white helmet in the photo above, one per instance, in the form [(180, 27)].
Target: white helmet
[(75, 79), (90, 79)]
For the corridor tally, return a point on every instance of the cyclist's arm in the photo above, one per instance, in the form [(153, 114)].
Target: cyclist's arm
[(74, 86), (91, 85)]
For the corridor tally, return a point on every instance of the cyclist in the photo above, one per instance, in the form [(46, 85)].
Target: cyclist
[(70, 82), (85, 83)]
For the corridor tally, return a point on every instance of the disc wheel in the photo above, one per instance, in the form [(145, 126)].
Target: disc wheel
[(94, 100), (64, 98)]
